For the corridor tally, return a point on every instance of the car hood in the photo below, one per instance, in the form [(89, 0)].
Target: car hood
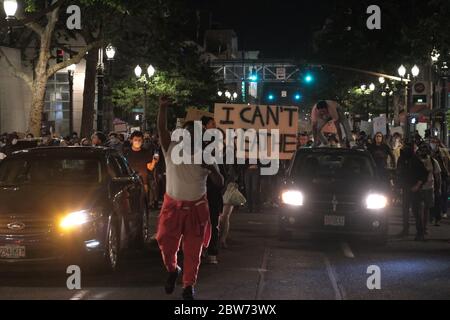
[(48, 200), (351, 187)]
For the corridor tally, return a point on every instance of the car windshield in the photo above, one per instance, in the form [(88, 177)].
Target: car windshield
[(50, 171), (323, 166)]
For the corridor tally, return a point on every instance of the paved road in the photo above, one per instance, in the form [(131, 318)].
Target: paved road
[(259, 266)]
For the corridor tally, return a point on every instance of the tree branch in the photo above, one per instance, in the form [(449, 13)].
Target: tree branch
[(75, 59), (15, 71)]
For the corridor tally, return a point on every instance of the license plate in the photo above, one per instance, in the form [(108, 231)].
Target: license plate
[(335, 221), (12, 252)]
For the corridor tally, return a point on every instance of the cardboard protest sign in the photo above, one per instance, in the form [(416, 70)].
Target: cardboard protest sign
[(243, 116), (379, 125), (194, 114)]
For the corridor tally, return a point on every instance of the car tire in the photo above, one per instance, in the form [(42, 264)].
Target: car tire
[(110, 260)]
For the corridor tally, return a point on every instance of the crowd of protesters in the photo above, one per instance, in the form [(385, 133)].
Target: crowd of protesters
[(418, 172)]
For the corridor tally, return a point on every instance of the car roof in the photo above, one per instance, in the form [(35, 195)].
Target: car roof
[(61, 151)]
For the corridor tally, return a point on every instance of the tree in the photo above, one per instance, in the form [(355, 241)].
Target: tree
[(42, 19), (157, 33), (409, 32)]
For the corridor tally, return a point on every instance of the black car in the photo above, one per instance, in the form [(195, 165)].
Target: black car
[(335, 191), (70, 204)]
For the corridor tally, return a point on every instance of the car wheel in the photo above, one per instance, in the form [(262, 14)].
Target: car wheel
[(113, 247), (109, 260)]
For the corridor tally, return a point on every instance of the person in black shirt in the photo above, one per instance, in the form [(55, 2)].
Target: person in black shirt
[(412, 175), (139, 158), (380, 152)]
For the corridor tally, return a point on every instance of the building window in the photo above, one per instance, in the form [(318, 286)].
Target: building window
[(57, 103)]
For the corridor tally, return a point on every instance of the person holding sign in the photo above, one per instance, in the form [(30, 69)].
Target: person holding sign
[(324, 112)]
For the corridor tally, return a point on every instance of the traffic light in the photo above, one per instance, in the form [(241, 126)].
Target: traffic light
[(253, 76), (308, 78), (271, 97), (59, 55), (297, 97)]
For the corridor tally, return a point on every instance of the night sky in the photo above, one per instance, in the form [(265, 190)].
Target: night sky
[(278, 28)]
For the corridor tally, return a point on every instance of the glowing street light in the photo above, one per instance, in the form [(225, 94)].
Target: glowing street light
[(110, 52), (415, 71), (402, 71), (10, 7), (138, 71)]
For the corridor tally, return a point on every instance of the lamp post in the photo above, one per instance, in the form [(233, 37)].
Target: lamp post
[(110, 54), (10, 8), (70, 73), (100, 89), (402, 72), (144, 79), (386, 92)]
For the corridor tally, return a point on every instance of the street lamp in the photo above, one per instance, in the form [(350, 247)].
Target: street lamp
[(372, 87), (435, 55), (138, 71), (145, 80), (402, 73), (110, 52), (220, 93), (386, 92), (10, 7)]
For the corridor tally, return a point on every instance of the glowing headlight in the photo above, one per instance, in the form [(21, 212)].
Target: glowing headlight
[(75, 219), (293, 198), (376, 201)]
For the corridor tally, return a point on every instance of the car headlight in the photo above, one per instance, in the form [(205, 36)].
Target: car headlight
[(75, 219), (376, 201), (292, 198)]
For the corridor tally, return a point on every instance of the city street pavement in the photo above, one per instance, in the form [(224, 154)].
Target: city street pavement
[(257, 266)]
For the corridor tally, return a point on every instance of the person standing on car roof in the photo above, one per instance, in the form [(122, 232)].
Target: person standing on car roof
[(322, 114), (185, 214)]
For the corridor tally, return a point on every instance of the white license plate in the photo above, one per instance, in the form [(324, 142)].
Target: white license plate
[(12, 252), (335, 221)]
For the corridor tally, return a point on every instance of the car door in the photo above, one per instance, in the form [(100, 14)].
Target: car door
[(121, 192), (134, 191)]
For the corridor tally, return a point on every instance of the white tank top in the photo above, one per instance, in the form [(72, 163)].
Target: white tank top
[(185, 182)]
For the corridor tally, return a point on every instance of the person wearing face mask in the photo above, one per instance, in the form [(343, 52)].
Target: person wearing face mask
[(140, 158), (431, 188), (114, 142)]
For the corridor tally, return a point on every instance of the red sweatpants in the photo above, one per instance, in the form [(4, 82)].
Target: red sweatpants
[(186, 221)]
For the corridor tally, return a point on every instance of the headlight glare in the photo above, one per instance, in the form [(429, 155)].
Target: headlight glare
[(292, 197), (75, 219), (376, 201)]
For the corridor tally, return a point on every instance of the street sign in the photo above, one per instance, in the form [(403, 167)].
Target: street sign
[(281, 73)]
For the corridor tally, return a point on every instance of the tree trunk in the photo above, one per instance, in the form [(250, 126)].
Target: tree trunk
[(87, 119), (37, 106)]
